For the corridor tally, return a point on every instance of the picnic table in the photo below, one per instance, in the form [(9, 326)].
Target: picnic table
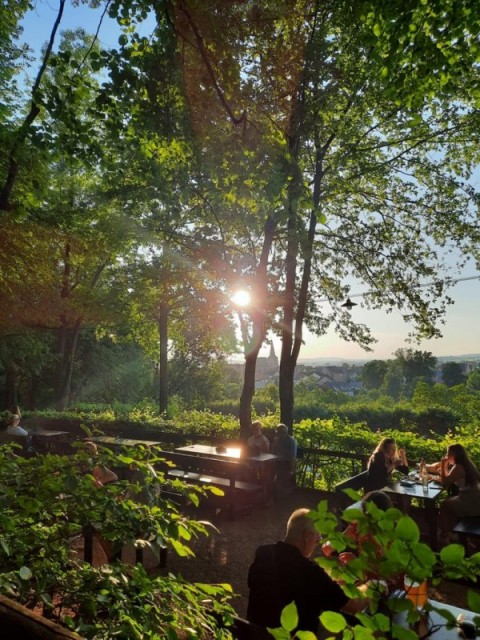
[(411, 487), (261, 466), (116, 442), (220, 451)]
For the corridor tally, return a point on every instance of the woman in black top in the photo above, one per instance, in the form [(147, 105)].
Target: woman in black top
[(385, 459)]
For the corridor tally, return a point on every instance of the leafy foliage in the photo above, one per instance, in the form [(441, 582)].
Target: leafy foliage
[(394, 554), (47, 500)]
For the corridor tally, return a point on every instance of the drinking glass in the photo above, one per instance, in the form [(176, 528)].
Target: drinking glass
[(417, 592)]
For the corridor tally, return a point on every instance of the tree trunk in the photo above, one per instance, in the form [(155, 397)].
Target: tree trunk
[(259, 330), (248, 391), (67, 362), (292, 326), (32, 392), (24, 129), (11, 388), (163, 373)]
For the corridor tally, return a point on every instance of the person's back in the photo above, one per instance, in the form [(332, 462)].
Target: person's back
[(284, 445), (280, 575), (285, 448)]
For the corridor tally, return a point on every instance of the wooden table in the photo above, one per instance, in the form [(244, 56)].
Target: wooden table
[(233, 453), (48, 439), (261, 467), (116, 442), (436, 623), (428, 498)]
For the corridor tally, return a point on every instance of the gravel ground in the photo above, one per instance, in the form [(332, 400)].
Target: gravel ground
[(227, 553)]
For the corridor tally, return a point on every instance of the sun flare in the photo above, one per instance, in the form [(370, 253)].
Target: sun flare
[(241, 298)]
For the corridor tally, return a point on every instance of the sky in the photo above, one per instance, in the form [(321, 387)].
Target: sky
[(461, 331)]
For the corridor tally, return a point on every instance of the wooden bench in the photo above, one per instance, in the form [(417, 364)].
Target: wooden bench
[(357, 483), (19, 622), (228, 475), (468, 527), (89, 532)]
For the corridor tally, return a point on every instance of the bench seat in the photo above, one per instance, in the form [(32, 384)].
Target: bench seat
[(226, 474), (466, 529), (356, 482), (469, 526)]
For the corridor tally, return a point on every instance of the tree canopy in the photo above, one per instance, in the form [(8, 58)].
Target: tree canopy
[(292, 148)]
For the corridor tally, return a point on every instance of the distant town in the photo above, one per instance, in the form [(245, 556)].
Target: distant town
[(339, 374)]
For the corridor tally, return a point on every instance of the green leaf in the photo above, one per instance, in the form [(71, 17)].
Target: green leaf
[(5, 546), (180, 548), (289, 617), (216, 491), (25, 573), (407, 529), (403, 634), (332, 621), (306, 635), (452, 554), (377, 29), (361, 633), (473, 600)]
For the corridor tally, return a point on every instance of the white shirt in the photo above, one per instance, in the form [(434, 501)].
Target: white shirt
[(16, 430)]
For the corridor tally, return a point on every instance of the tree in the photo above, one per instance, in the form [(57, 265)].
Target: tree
[(358, 189), (452, 374), (473, 381), (415, 365), (373, 373)]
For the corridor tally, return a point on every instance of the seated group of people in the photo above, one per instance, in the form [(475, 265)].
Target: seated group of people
[(456, 471), (283, 446), (284, 572)]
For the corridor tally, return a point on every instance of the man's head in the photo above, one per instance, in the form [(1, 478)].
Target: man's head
[(256, 428), (301, 532), (90, 448), (282, 430)]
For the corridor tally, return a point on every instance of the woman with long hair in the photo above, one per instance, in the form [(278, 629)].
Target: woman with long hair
[(385, 459), (458, 473)]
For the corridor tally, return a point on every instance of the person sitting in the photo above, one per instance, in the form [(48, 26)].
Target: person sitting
[(285, 448), (283, 572), (384, 460), (102, 475), (382, 502), (457, 472), (13, 425), (257, 443)]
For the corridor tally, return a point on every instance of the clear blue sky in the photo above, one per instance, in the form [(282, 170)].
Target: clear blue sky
[(461, 332)]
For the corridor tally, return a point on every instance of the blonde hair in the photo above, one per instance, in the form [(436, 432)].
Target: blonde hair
[(12, 419)]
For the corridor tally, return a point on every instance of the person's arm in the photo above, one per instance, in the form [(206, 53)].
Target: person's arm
[(103, 475), (456, 475), (434, 468), (403, 457), (293, 454), (354, 605)]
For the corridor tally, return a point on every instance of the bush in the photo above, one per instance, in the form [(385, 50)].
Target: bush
[(47, 499)]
